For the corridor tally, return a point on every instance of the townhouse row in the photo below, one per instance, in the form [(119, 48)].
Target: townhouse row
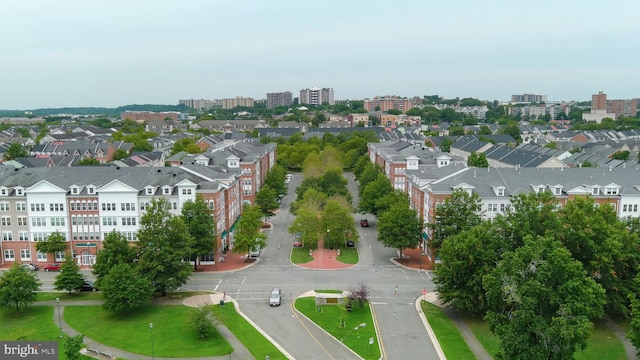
[(429, 178), (84, 204)]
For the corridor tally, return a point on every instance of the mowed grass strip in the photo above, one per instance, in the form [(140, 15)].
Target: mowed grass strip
[(251, 338), (171, 334), (451, 341), (329, 320)]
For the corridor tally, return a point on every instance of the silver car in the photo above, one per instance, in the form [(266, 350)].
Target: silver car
[(275, 297)]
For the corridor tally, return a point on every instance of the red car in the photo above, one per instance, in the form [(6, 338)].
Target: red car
[(52, 267), (364, 222)]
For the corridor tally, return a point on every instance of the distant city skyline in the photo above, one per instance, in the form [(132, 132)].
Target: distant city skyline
[(111, 53)]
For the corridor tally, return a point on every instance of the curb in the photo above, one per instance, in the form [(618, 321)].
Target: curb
[(432, 335)]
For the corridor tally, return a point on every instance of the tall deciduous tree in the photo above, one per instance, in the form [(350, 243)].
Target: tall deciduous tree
[(247, 232), (399, 227), (370, 199), (541, 302), (125, 288), (115, 250), (201, 225), (465, 259), (459, 212), (266, 200), (607, 250), (163, 244), (337, 219), (54, 243), (18, 288), (69, 278), (308, 224)]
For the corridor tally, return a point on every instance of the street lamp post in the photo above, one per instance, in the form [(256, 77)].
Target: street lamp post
[(328, 240), (153, 356), (59, 317), (344, 337)]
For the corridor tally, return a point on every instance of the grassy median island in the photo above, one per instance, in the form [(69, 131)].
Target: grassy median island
[(329, 319)]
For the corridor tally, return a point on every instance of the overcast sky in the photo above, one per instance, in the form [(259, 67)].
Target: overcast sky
[(66, 53)]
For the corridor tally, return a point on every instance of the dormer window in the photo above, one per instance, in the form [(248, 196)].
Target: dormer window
[(19, 191), (4, 191), (166, 190), (500, 192), (595, 191), (91, 190), (557, 190), (149, 191), (611, 191), (75, 190)]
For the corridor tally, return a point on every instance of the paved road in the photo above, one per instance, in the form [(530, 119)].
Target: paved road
[(401, 333)]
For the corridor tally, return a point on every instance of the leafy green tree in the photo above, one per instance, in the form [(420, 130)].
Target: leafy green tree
[(485, 130), (18, 288), (201, 226), (399, 227), (120, 154), (465, 259), (608, 251), (115, 250), (459, 212), (88, 161), (511, 129), (370, 199), (54, 243), (533, 214), (185, 144), (621, 155), (307, 223), (445, 145), (247, 233), (337, 222), (541, 300), (634, 326), (72, 346), (15, 151), (125, 289), (477, 160), (394, 111), (163, 244), (266, 200), (69, 278), (276, 179)]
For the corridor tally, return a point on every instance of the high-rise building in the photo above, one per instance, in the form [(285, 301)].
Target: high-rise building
[(528, 98), (599, 101), (237, 101), (628, 107), (316, 96), (387, 103), (279, 99), (197, 104)]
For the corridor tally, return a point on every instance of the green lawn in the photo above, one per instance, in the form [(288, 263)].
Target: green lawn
[(329, 320), (348, 256), (602, 344), (453, 344), (300, 255), (171, 335), (253, 340), (35, 323), (50, 296)]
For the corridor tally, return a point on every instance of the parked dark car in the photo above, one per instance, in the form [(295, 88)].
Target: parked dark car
[(52, 267), (297, 239), (88, 286), (364, 222), (350, 243), (30, 266)]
